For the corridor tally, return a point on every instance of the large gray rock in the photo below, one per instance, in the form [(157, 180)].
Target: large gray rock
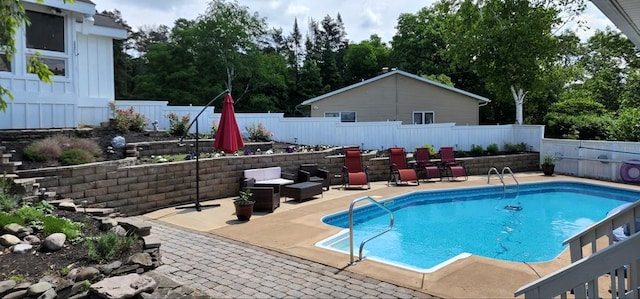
[(54, 242), (16, 295), (126, 286), (6, 285), (39, 288), (108, 268), (9, 240), (13, 228)]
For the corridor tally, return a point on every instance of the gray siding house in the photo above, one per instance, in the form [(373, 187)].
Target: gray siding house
[(399, 96)]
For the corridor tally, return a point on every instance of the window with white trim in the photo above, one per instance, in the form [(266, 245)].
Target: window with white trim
[(46, 35), (423, 117), (345, 116)]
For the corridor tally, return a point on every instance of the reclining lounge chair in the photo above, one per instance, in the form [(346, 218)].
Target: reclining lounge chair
[(426, 169), (398, 170), (451, 167), (353, 171)]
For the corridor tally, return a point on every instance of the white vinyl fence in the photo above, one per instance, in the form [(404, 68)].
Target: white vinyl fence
[(330, 131), (592, 158)]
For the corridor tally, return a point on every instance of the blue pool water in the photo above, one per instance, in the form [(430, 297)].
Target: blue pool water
[(434, 228)]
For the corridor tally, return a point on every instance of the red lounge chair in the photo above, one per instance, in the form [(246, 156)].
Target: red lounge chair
[(353, 172), (452, 168), (398, 170), (424, 165)]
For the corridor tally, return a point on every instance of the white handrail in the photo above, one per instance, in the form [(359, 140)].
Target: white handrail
[(583, 274)]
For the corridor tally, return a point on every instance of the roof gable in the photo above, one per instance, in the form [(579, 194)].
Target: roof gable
[(388, 74)]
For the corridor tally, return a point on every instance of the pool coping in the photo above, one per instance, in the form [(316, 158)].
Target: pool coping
[(295, 228)]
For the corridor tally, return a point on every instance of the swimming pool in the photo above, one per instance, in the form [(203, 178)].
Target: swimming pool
[(435, 228)]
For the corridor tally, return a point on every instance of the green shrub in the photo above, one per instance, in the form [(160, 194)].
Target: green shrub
[(51, 149), (477, 150), (432, 151), (28, 214), (7, 218), (493, 149), (108, 246), (258, 133), (47, 149), (516, 148), (626, 127), (52, 224), (127, 120), (76, 156), (178, 126)]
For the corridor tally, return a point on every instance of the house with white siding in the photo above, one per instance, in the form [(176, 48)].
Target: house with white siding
[(77, 45)]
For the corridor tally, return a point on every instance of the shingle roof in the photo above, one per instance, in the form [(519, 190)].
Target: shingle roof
[(391, 73)]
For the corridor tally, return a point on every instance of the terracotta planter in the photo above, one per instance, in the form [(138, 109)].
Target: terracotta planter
[(244, 211), (548, 169)]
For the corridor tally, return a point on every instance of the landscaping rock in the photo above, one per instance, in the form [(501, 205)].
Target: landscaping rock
[(143, 259), (6, 286), (87, 273), (67, 205), (24, 231), (32, 239), (107, 269), (54, 242), (22, 248), (9, 240), (16, 295), (119, 230), (13, 228), (39, 288), (123, 286)]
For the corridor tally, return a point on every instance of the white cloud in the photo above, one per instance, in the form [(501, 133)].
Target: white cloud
[(362, 18)]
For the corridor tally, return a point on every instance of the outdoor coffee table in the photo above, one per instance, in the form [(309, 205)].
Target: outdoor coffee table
[(302, 190)]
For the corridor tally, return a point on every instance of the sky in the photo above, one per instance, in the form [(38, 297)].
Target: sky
[(362, 18)]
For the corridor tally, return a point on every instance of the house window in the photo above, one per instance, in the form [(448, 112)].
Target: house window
[(345, 116), (56, 66), (423, 117), (46, 32), (46, 35), (5, 64)]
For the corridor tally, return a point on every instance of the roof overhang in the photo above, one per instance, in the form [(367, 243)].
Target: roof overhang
[(82, 7), (625, 14)]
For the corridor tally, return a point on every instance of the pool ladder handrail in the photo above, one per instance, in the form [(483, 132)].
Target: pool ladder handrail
[(501, 177), (373, 201), (508, 169)]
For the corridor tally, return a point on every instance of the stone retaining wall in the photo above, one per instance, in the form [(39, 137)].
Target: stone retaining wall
[(138, 189)]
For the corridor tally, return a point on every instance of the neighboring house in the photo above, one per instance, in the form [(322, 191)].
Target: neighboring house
[(399, 96), (77, 45)]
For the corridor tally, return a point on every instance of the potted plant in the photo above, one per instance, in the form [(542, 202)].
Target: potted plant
[(548, 164), (244, 206)]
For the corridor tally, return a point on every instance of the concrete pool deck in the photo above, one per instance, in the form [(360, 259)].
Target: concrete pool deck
[(294, 229)]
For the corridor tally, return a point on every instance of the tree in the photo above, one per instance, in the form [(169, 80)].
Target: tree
[(13, 16), (495, 39), (365, 59)]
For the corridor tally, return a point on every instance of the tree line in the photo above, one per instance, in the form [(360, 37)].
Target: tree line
[(520, 54)]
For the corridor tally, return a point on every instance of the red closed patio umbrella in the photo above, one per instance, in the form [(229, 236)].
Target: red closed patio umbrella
[(228, 138)]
